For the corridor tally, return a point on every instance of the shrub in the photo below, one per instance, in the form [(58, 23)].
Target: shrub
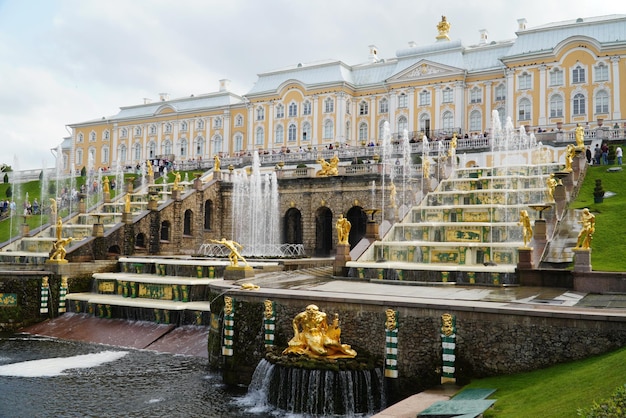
[(615, 406)]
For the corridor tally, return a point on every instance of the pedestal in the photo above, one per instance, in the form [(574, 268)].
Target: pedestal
[(342, 256), (127, 218), (540, 230), (153, 204), (525, 256), (98, 230), (25, 230), (371, 230), (176, 194), (238, 272), (82, 207), (150, 178), (106, 197), (582, 259)]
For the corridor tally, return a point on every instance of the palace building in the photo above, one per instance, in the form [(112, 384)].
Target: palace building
[(549, 77)]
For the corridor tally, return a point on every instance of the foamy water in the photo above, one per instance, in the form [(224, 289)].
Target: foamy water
[(57, 366)]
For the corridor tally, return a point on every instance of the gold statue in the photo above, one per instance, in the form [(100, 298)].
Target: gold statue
[(527, 229), (570, 152), (53, 206), (176, 181), (580, 137), (343, 226), (588, 220), (234, 248), (127, 203), (58, 251), (426, 168), (552, 182), (447, 327), (328, 168), (313, 337), (249, 286), (392, 196), (228, 305), (150, 169), (59, 228), (106, 188), (269, 308), (216, 163), (443, 27), (452, 149)]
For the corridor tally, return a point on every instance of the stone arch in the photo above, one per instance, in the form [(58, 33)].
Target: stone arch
[(165, 231), (188, 222), (208, 214), (323, 232), (114, 251), (292, 228), (358, 221)]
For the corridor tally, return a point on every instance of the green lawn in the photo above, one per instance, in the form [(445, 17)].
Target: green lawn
[(557, 391)]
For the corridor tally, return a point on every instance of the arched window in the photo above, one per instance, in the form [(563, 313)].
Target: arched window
[(306, 131), (218, 143), (329, 105), (578, 104), (601, 72), (260, 113), (403, 101), (280, 111), (363, 108), (79, 157), (167, 147), (556, 106), (199, 146), (424, 98), (200, 124), (168, 128), (105, 154), (279, 134), (293, 110), (476, 121), (217, 123), (556, 77), (578, 75), (602, 102), (403, 124), (137, 151), (476, 95), (328, 129), (447, 120), (383, 105), (122, 154), (183, 148), (306, 108), (292, 133), (363, 136), (151, 149), (165, 231), (188, 222), (238, 142), (239, 120), (524, 109), (184, 126), (259, 137), (153, 129), (524, 81), (381, 128)]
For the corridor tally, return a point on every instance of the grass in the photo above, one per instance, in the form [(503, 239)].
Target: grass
[(557, 391), (609, 239)]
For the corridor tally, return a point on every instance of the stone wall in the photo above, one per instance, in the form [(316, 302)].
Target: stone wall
[(488, 341)]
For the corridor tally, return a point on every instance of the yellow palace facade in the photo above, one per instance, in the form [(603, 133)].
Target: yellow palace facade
[(550, 77)]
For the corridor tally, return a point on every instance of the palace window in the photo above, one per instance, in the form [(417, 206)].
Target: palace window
[(524, 81), (447, 120), (92, 136), (363, 132), (293, 110), (184, 126), (601, 72), (238, 142), (239, 120), (292, 133), (602, 102), (260, 113), (383, 106), (403, 101), (578, 75), (524, 110), (500, 93), (137, 130), (106, 135), (200, 125), (137, 152), (152, 129), (168, 128), (578, 105), (280, 111), (167, 147), (217, 123), (329, 105), (556, 106), (259, 136), (306, 131), (447, 95), (199, 146), (381, 128), (105, 155), (475, 121), (279, 134), (183, 148), (151, 149), (328, 129), (403, 124), (80, 137), (556, 77), (424, 98), (124, 133), (218, 142), (306, 108), (79, 157), (363, 108), (476, 95)]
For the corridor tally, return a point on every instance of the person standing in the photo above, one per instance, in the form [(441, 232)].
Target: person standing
[(597, 155), (618, 154), (588, 155)]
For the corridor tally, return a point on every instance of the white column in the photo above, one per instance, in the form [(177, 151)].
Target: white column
[(459, 105), (315, 141), (543, 120), (341, 112), (437, 107), (412, 107), (392, 99), (373, 112), (488, 101), (226, 127), (510, 96), (251, 131), (617, 111), (269, 135)]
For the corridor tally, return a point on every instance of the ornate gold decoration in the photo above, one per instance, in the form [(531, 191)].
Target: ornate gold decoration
[(580, 137), (58, 251), (391, 323), (269, 309), (527, 229), (447, 329), (551, 182), (343, 226), (313, 337), (588, 220), (234, 248), (444, 28), (570, 153), (249, 286), (328, 168), (228, 305)]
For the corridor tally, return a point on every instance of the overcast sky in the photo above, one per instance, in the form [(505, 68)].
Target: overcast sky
[(69, 61)]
